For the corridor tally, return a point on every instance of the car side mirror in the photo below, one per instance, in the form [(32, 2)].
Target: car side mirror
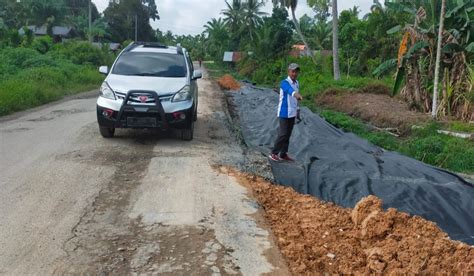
[(104, 70), (197, 74)]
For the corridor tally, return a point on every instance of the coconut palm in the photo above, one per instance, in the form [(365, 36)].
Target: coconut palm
[(291, 5), (217, 36), (233, 19), (322, 35), (252, 16)]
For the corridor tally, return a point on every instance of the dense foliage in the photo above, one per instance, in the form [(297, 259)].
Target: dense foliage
[(43, 72), (115, 25)]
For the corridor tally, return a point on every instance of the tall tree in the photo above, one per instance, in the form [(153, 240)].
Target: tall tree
[(322, 35), (46, 13), (14, 14), (335, 41), (438, 59), (274, 37), (321, 8), (253, 16), (217, 36), (291, 5), (121, 19), (233, 19)]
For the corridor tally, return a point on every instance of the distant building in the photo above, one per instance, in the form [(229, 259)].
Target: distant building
[(299, 50), (234, 56), (59, 32)]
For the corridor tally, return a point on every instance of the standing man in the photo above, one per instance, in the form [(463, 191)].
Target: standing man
[(287, 111)]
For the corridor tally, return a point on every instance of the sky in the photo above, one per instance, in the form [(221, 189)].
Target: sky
[(189, 16)]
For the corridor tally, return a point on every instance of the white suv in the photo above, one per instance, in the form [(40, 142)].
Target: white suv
[(150, 85)]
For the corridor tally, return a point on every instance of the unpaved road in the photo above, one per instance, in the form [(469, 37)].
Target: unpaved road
[(73, 202)]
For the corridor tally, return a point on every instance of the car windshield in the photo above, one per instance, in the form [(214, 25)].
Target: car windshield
[(151, 64)]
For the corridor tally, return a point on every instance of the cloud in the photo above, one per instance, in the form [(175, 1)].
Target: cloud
[(189, 16)]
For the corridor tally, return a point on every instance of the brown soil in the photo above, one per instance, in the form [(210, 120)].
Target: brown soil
[(316, 236), (228, 82), (378, 108)]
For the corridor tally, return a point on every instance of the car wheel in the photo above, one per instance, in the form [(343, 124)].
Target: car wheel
[(107, 132), (188, 133)]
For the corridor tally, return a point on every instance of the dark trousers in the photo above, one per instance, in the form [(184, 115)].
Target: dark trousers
[(284, 134)]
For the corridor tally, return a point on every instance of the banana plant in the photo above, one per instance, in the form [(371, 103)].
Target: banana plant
[(413, 81)]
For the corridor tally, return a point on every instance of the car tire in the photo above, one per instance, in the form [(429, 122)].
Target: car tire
[(188, 133), (107, 132)]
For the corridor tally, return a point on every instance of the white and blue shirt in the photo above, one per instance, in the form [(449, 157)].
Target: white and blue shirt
[(288, 103)]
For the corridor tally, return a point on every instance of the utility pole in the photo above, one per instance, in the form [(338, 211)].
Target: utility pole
[(90, 21), (136, 27)]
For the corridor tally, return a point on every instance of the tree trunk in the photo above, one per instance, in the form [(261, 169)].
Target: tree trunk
[(335, 41), (298, 30), (438, 59)]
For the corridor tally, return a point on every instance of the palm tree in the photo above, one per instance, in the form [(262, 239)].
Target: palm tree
[(292, 4), (99, 29), (233, 19), (218, 36), (252, 16), (335, 41), (322, 35)]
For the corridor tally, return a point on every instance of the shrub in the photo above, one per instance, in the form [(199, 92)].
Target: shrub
[(82, 53), (42, 44), (29, 78)]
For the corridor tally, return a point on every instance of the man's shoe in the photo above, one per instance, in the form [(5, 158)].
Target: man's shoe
[(274, 157), (286, 157)]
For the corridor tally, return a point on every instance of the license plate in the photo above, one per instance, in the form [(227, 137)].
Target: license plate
[(141, 122)]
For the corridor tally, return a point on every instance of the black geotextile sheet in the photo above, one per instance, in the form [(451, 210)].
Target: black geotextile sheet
[(342, 168)]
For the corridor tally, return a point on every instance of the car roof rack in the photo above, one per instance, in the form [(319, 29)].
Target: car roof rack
[(135, 44)]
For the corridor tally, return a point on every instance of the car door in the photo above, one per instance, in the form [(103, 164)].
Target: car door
[(194, 86)]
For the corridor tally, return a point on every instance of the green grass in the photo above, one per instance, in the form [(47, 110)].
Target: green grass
[(34, 76), (461, 127), (217, 70), (37, 86), (452, 153)]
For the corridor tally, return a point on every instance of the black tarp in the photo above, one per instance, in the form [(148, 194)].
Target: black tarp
[(342, 168)]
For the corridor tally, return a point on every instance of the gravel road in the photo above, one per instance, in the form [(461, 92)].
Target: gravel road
[(73, 202)]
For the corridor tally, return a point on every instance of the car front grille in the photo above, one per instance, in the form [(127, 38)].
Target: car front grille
[(135, 98)]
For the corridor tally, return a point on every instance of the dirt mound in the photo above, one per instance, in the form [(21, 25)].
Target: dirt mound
[(228, 82), (377, 108), (316, 236), (376, 88)]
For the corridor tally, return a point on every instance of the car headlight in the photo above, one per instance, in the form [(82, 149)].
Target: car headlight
[(106, 91), (183, 95)]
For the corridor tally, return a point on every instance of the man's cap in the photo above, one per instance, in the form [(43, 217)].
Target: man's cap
[(293, 66)]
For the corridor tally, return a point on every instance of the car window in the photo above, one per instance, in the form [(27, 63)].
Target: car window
[(151, 64)]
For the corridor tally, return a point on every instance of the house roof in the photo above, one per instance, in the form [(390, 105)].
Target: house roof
[(300, 47), (42, 30)]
